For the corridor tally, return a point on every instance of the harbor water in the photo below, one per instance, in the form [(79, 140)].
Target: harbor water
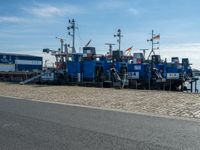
[(198, 85)]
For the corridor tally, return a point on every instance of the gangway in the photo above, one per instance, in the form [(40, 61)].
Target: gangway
[(117, 82), (124, 81), (31, 79)]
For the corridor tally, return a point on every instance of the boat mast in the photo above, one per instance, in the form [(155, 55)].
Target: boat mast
[(110, 47), (153, 37), (119, 36), (72, 27)]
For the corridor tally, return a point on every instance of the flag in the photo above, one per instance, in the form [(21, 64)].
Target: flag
[(129, 49), (157, 37)]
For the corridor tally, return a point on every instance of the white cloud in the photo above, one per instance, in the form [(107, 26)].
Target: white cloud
[(43, 10), (133, 11), (47, 11), (110, 4), (187, 50), (13, 19)]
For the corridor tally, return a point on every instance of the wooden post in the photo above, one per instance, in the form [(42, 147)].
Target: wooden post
[(136, 84), (196, 91), (149, 84), (164, 86)]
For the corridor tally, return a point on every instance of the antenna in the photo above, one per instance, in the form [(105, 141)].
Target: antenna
[(88, 43), (61, 42), (110, 47), (119, 36), (153, 38)]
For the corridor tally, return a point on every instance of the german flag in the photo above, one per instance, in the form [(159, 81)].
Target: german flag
[(129, 49), (157, 37)]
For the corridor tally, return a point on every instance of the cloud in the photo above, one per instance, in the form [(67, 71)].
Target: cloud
[(47, 11), (13, 19), (43, 10), (187, 50), (191, 47), (133, 11), (110, 4)]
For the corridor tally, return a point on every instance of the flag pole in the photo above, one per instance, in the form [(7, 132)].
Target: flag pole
[(152, 40), (152, 43)]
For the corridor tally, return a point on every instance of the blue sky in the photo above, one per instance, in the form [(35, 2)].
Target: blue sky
[(30, 26)]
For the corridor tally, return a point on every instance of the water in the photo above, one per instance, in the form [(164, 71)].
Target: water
[(198, 85)]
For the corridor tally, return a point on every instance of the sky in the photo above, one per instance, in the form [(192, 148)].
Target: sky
[(29, 26)]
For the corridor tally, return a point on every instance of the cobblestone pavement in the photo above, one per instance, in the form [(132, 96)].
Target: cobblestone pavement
[(157, 102)]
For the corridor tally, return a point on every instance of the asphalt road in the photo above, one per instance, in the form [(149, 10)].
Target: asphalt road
[(29, 125)]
